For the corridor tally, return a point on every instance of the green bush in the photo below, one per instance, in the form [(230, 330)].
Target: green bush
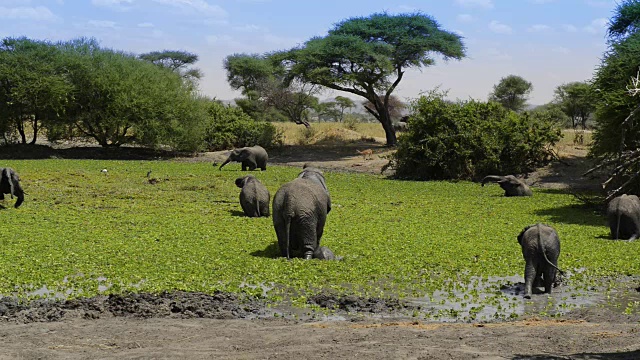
[(229, 127), (470, 139)]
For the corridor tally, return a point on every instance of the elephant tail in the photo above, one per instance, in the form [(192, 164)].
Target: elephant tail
[(544, 253), (257, 206), (6, 173), (491, 178)]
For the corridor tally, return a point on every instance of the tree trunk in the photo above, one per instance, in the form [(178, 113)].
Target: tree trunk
[(35, 132)]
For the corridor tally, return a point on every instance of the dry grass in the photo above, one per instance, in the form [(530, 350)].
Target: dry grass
[(329, 132)]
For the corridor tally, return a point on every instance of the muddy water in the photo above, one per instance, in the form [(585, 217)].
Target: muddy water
[(501, 298)]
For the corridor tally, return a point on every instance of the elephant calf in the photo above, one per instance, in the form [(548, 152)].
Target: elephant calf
[(10, 184), (300, 209), (511, 185), (250, 157), (623, 215), (540, 248), (254, 196)]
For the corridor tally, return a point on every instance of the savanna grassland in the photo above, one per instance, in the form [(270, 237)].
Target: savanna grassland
[(83, 233)]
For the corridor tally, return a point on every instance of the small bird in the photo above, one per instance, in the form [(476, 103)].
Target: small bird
[(104, 171)]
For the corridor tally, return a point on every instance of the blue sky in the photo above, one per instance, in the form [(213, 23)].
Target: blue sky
[(548, 42)]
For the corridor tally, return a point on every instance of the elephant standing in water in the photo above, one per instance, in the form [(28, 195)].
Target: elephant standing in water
[(10, 184), (623, 213), (511, 185), (540, 248), (251, 158), (300, 209), (254, 196)]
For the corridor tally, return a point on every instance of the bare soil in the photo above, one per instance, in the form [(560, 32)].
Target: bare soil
[(224, 326)]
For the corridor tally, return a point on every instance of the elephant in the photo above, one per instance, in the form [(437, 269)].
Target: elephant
[(623, 213), (251, 157), (10, 184), (540, 248), (324, 253), (400, 126), (511, 185), (299, 212), (254, 196)]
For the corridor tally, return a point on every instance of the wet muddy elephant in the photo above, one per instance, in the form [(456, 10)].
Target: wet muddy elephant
[(10, 184), (540, 248), (254, 196), (511, 185), (623, 216), (250, 157), (299, 212)]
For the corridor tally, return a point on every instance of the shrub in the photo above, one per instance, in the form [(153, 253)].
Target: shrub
[(229, 127), (467, 140)]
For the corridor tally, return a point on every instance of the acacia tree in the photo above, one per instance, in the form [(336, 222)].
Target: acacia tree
[(512, 92), (261, 79), (368, 56), (33, 87), (176, 61), (576, 101), (343, 103), (395, 107)]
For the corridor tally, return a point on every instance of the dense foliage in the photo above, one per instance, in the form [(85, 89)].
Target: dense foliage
[(512, 92), (82, 231), (471, 139), (367, 57), (229, 127), (576, 101)]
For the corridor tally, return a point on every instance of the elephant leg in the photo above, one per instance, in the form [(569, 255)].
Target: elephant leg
[(252, 166), (309, 237), (244, 166), (529, 277), (549, 278), (281, 234)]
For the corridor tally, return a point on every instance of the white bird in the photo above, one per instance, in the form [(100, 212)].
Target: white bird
[(104, 171)]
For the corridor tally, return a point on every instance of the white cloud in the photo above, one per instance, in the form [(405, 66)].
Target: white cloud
[(459, 32), (146, 25), (103, 24), (499, 28), (601, 4), (247, 28), (485, 4), (539, 28), (219, 39), (596, 26), (569, 28), (38, 13), (561, 50), (495, 54), (113, 4), (464, 18), (196, 6), (541, 1)]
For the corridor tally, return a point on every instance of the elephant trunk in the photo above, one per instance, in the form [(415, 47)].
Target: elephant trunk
[(224, 163), (491, 178)]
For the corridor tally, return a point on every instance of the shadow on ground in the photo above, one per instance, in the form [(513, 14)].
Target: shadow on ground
[(35, 152)]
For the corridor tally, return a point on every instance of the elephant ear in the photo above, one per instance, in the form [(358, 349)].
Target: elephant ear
[(6, 177), (240, 181), (521, 235)]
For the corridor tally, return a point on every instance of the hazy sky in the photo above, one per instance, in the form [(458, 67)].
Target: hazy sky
[(548, 42)]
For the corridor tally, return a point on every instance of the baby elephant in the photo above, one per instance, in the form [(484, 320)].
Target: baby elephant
[(251, 158), (10, 184), (511, 185), (540, 249), (623, 215), (254, 196)]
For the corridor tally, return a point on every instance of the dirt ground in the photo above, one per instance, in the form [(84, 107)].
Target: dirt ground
[(221, 326)]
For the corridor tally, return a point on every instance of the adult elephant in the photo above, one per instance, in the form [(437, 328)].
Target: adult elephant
[(254, 196), (299, 212), (10, 184), (511, 185), (540, 248), (623, 215), (251, 157)]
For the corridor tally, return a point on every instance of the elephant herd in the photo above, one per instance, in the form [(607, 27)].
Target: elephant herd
[(300, 207)]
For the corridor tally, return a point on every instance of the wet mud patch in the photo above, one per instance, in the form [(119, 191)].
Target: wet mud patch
[(139, 305), (355, 304)]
